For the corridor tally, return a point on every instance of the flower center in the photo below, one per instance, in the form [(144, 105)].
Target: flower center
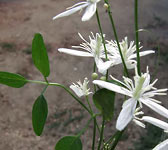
[(98, 46), (138, 88), (92, 1), (124, 50)]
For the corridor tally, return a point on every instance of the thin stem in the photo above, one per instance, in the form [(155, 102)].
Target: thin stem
[(117, 139), (157, 63), (94, 135), (103, 40), (84, 129), (94, 67), (44, 89), (76, 98), (87, 99), (37, 82), (137, 36), (111, 138), (94, 70), (116, 36), (101, 31), (101, 133), (45, 78), (66, 89)]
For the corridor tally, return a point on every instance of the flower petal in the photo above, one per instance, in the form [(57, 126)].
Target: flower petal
[(126, 114), (142, 54), (155, 107), (89, 12), (161, 124), (75, 52), (162, 146), (77, 90), (70, 11), (113, 87), (103, 66)]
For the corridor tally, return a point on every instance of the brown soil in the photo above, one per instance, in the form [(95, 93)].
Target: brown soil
[(20, 20)]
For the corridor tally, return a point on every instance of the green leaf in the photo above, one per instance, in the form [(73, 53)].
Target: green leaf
[(12, 80), (69, 143), (104, 101), (40, 56), (39, 114)]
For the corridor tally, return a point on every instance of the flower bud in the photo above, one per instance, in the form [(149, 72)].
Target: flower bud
[(106, 6), (103, 78), (94, 76)]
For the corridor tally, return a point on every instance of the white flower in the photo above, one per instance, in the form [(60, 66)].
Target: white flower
[(162, 146), (81, 89), (140, 91), (128, 52), (90, 10), (94, 48)]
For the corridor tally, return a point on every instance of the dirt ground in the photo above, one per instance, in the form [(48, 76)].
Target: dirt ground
[(21, 19)]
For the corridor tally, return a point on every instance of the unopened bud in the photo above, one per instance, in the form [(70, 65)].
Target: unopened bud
[(94, 76), (103, 78), (106, 6)]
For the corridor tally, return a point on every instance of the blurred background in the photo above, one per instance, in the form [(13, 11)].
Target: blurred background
[(21, 19)]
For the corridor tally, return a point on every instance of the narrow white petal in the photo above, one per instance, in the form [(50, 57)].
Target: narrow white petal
[(155, 107), (162, 146), (89, 12), (113, 87), (126, 114), (70, 11), (142, 54), (161, 124), (130, 64), (102, 66), (77, 4), (75, 52), (77, 90)]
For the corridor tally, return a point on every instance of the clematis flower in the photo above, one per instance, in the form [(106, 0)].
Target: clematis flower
[(140, 91), (128, 52), (161, 124), (81, 89), (90, 10), (94, 49)]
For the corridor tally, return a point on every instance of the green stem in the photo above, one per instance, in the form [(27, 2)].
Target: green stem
[(137, 36), (66, 89), (84, 129), (94, 135), (111, 138), (94, 70), (87, 99), (117, 139), (44, 89), (116, 36), (103, 40), (76, 98), (45, 79), (37, 82), (101, 31), (101, 133)]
